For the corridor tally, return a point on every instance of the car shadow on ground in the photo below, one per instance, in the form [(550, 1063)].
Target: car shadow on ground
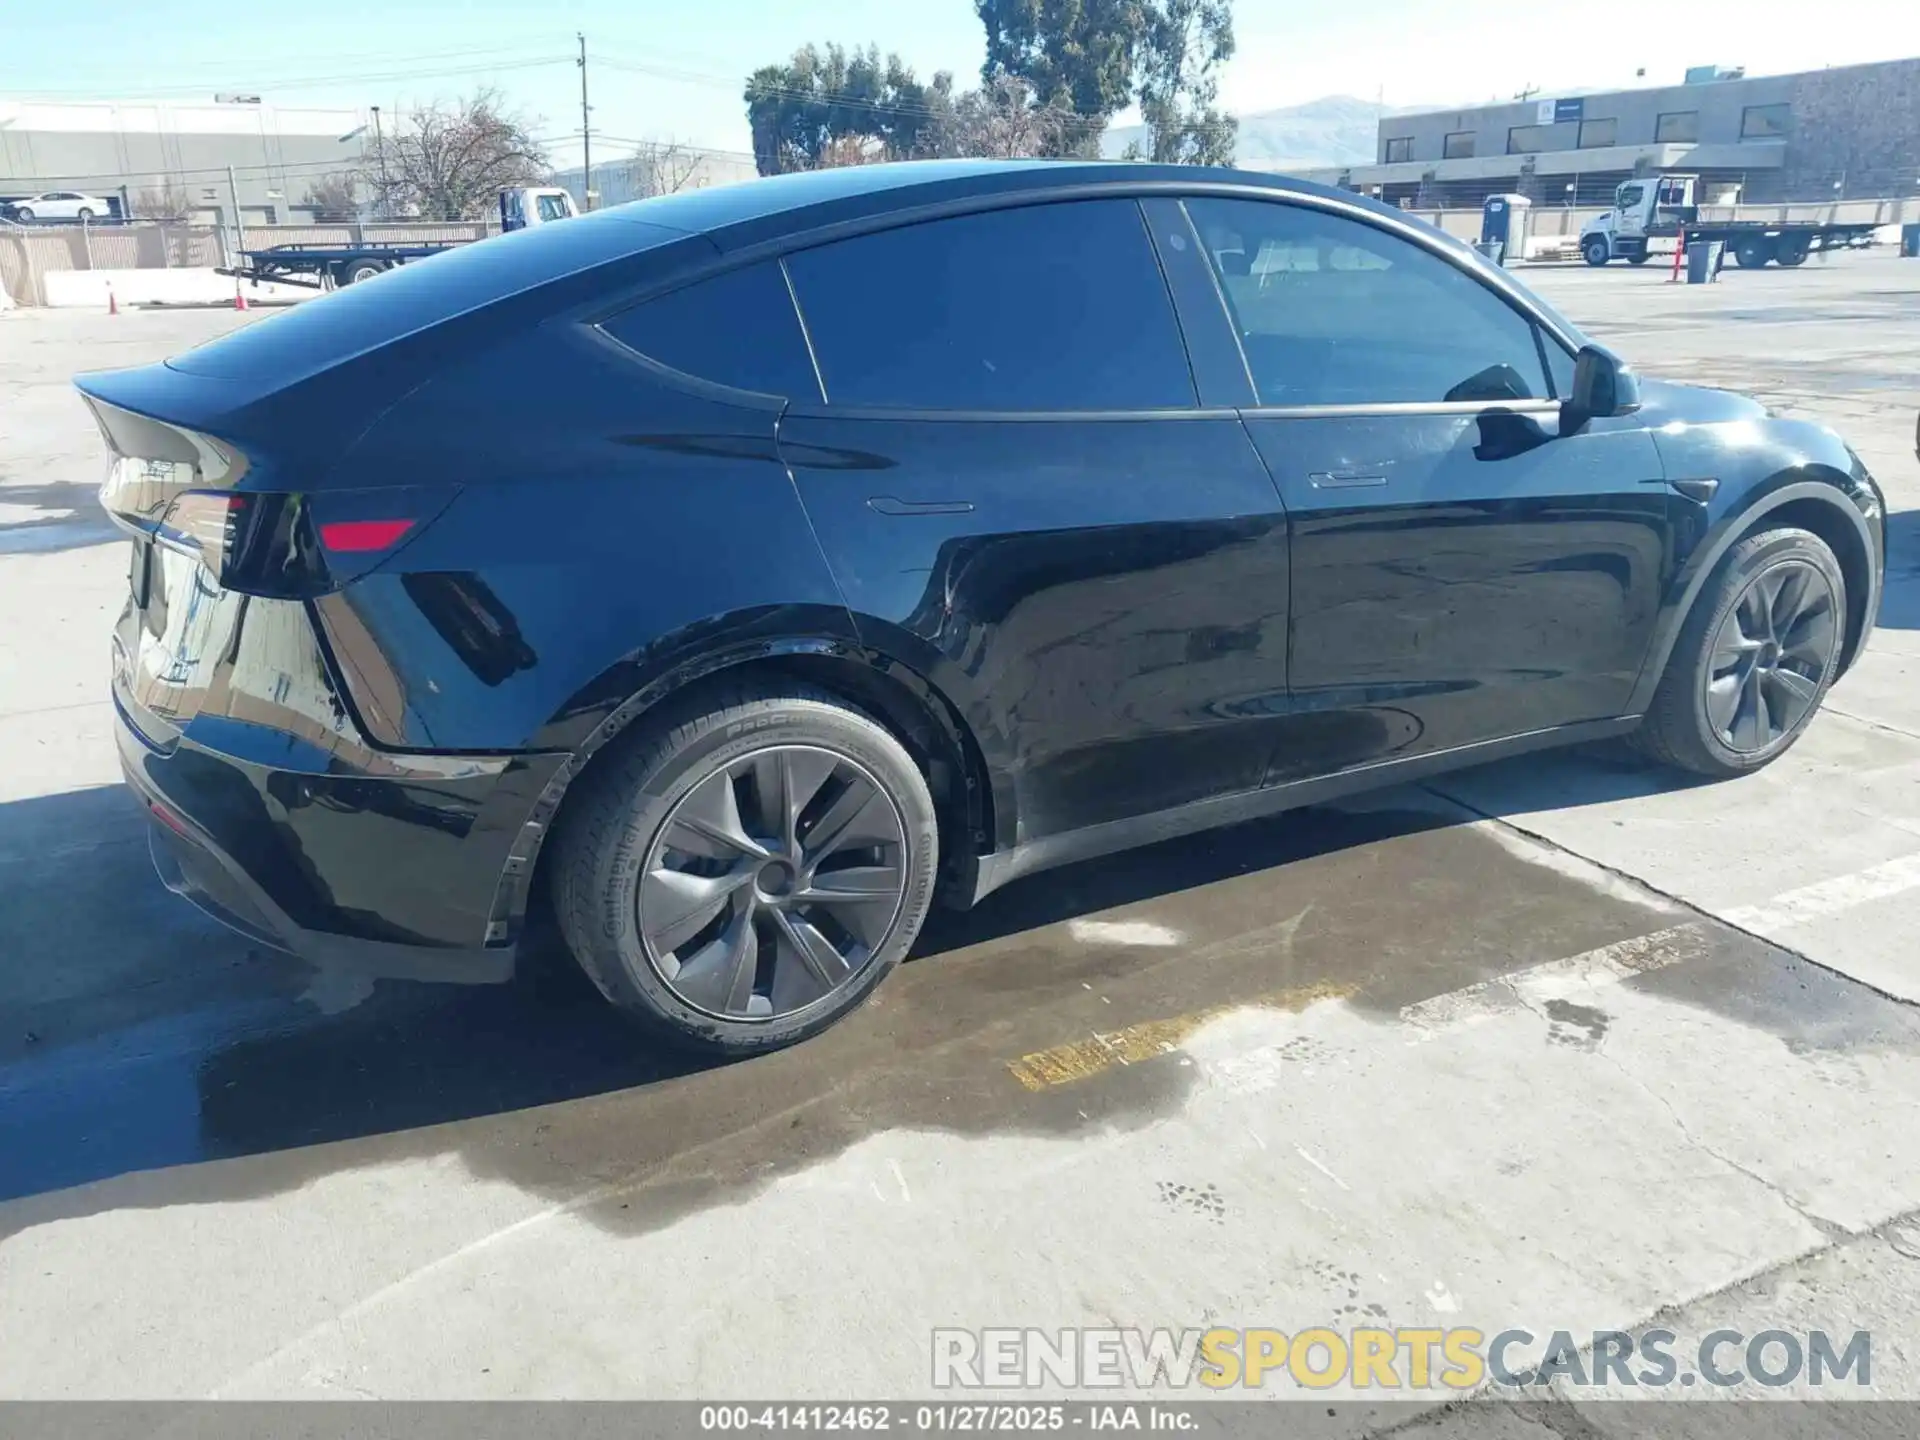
[(1900, 602), (135, 1034), (66, 516)]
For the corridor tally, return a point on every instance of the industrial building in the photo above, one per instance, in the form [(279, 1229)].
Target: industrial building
[(165, 161), (1843, 133)]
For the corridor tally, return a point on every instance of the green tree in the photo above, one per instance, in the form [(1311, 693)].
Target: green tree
[(1077, 56), (839, 106), (1184, 44), (1089, 59)]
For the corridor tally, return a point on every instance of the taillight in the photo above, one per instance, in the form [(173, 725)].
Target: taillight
[(359, 537), (281, 543), (205, 524)]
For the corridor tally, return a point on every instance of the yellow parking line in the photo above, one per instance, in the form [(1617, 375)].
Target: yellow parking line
[(1082, 1059)]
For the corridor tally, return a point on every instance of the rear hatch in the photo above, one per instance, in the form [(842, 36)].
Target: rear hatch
[(230, 464)]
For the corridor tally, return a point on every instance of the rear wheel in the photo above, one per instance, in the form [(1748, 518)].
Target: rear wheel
[(354, 271), (1753, 251), (744, 873), (1754, 658), (1639, 257), (1793, 250), (23, 213), (1596, 250), (85, 216)]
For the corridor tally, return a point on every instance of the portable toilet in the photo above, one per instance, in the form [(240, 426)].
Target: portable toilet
[(1505, 223)]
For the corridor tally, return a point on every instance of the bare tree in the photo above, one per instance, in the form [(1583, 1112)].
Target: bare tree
[(335, 197), (663, 167), (1004, 120), (448, 161), (167, 201)]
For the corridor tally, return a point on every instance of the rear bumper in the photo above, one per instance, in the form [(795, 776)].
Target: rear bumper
[(414, 876)]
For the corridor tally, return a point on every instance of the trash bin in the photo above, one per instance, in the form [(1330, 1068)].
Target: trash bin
[(1910, 241), (1491, 249), (1703, 260)]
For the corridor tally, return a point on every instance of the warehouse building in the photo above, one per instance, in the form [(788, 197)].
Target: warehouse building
[(162, 160), (1848, 132)]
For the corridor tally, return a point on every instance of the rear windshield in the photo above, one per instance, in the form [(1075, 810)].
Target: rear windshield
[(324, 331)]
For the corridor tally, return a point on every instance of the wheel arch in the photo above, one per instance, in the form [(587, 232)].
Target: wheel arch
[(909, 706), (1813, 498)]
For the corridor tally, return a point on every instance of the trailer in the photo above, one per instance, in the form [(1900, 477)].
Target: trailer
[(328, 267), (1651, 216)]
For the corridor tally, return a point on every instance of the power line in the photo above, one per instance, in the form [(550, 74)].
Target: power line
[(848, 102), (308, 82)]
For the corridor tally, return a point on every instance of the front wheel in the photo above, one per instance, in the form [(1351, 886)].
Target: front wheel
[(743, 873), (1596, 250), (1754, 658)]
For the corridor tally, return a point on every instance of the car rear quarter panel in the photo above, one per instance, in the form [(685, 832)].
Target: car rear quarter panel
[(609, 529)]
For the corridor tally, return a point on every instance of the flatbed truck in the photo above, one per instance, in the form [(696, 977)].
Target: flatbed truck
[(1651, 215), (324, 267)]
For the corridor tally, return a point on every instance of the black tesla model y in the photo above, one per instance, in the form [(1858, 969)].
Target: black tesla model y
[(741, 571)]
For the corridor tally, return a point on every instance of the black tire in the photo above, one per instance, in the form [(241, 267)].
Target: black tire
[(1793, 250), (354, 271), (24, 214), (85, 216), (607, 839), (1596, 250), (1677, 730), (1752, 252), (1639, 257)]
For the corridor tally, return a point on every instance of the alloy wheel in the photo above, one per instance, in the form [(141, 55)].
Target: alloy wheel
[(1770, 657), (773, 882)]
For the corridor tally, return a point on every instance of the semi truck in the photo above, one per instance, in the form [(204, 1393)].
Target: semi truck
[(1651, 214), (320, 267)]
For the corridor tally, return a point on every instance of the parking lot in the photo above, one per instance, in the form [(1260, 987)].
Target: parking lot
[(1559, 1044)]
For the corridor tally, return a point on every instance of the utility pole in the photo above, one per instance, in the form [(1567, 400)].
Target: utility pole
[(586, 133), (380, 149), (239, 228)]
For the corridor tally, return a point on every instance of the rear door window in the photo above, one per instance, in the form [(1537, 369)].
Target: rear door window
[(737, 328), (1057, 307)]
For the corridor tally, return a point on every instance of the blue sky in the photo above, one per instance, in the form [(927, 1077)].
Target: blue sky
[(680, 66)]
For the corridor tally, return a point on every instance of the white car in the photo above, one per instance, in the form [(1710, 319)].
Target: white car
[(61, 205)]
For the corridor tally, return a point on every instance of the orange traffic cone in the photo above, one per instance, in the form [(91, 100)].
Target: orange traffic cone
[(113, 305), (239, 297)]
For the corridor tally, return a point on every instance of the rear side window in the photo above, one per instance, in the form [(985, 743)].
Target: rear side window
[(737, 328), (1334, 312), (1046, 307)]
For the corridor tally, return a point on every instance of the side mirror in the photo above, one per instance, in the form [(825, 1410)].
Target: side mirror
[(1603, 385)]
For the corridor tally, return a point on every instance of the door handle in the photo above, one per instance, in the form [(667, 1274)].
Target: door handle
[(1342, 479), (888, 505)]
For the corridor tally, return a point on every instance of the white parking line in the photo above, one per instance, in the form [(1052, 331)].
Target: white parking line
[(1827, 897), (1250, 1072), (1557, 979)]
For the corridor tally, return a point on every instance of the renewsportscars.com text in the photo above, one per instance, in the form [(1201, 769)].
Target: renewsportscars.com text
[(1459, 1358)]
